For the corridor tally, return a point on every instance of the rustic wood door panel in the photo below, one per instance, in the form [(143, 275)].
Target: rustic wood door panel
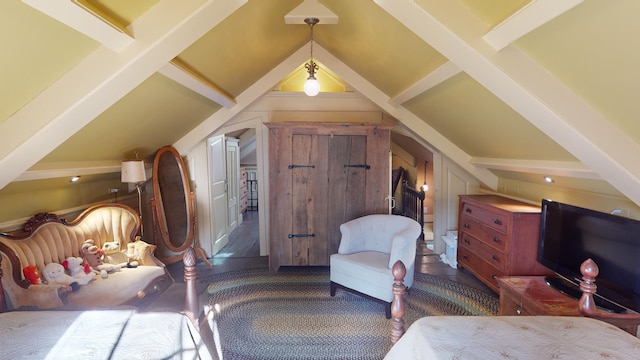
[(308, 194), (320, 177), (347, 195)]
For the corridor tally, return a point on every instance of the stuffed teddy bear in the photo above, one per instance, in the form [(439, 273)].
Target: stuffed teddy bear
[(78, 270), (53, 273), (95, 258), (32, 274)]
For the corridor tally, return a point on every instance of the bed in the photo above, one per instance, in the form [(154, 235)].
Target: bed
[(118, 333), (515, 337)]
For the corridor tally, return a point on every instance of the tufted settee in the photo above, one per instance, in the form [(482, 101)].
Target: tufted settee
[(48, 239)]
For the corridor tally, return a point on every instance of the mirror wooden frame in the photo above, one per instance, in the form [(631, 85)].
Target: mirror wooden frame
[(173, 206)]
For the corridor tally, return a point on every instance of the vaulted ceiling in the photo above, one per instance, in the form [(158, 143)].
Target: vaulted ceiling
[(504, 88)]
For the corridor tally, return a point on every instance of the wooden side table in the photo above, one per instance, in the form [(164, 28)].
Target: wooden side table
[(530, 295)]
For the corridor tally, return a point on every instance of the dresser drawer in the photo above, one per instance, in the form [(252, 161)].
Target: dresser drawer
[(480, 248), (482, 269), (512, 307), (483, 232), (495, 220)]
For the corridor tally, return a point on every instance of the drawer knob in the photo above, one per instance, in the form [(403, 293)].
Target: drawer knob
[(466, 225), (467, 210), (497, 222), (495, 257), (466, 240), (465, 257), (495, 239)]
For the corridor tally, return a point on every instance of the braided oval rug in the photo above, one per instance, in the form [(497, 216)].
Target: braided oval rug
[(290, 314)]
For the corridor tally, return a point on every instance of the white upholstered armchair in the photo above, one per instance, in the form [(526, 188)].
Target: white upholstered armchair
[(369, 247)]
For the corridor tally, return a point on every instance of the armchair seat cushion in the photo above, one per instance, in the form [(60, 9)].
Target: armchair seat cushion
[(369, 247), (366, 272)]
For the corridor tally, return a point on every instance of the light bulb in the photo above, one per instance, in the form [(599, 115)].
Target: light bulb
[(311, 86)]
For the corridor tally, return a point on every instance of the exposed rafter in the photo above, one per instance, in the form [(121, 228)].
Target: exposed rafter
[(436, 77), (530, 17), (76, 17), (181, 74), (574, 169), (102, 79), (528, 88)]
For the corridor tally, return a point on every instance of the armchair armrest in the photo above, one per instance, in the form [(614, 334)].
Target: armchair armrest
[(403, 248), (352, 239)]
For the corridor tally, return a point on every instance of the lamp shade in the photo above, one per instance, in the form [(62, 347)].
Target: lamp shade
[(133, 171)]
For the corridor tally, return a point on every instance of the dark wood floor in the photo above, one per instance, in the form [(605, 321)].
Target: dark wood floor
[(243, 252), (244, 241)]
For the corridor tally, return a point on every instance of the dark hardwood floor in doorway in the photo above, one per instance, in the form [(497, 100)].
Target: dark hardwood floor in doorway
[(244, 241)]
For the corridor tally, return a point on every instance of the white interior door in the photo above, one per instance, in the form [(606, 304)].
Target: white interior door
[(233, 177), (218, 184)]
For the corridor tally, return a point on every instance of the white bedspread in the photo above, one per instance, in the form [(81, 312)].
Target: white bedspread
[(514, 337), (108, 334)]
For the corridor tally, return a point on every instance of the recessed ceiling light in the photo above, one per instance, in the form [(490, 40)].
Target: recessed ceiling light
[(548, 179), (74, 179)]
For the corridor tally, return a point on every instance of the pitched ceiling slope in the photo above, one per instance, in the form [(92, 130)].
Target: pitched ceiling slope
[(525, 86), (481, 56), (103, 78)]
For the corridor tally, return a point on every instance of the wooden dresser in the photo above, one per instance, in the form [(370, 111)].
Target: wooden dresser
[(244, 201), (498, 236)]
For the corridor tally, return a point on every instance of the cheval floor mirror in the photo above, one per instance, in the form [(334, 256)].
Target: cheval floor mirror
[(173, 206)]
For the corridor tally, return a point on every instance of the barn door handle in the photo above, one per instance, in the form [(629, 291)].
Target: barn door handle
[(301, 166), (365, 166), (290, 236)]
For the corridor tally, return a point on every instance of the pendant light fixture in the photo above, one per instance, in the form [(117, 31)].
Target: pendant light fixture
[(311, 86)]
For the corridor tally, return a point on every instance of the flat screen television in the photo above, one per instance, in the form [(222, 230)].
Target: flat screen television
[(571, 234)]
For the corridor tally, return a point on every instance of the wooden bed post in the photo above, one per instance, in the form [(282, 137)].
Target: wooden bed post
[(397, 305), (189, 259), (628, 321)]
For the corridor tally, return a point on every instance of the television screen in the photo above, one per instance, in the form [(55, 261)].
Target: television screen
[(570, 234)]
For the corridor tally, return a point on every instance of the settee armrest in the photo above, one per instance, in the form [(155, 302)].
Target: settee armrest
[(42, 296), (144, 253)]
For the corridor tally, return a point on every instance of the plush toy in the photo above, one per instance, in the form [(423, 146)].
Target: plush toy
[(135, 249), (95, 257), (32, 274), (113, 255), (77, 270), (53, 273)]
